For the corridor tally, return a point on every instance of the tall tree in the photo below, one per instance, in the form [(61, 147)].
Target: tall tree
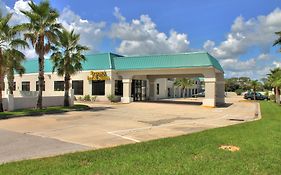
[(274, 79), (184, 83), (67, 58), (41, 32), (8, 43), (14, 59)]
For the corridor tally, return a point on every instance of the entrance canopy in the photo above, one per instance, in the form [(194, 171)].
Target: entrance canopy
[(151, 67)]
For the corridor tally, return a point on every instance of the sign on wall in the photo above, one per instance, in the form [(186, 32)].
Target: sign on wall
[(98, 76)]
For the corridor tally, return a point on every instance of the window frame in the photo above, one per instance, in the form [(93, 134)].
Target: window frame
[(100, 91), (27, 84), (80, 89), (60, 87), (37, 86)]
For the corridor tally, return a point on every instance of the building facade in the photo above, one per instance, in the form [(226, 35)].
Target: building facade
[(136, 78)]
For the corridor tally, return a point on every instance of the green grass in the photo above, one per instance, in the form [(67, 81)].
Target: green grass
[(38, 112), (198, 153)]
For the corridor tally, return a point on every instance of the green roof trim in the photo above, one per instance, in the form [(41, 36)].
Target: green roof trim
[(105, 61)]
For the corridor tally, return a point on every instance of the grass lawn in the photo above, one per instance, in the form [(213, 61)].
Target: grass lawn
[(198, 153), (38, 112)]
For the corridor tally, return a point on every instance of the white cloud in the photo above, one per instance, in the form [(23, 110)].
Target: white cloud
[(140, 36), (90, 32), (277, 64), (258, 33)]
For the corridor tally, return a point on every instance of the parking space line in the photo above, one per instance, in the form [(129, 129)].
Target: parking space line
[(124, 137)]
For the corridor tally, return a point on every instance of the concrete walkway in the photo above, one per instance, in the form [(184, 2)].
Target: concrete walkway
[(18, 146), (108, 125)]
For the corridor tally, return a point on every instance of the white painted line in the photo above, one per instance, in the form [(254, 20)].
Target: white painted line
[(124, 137)]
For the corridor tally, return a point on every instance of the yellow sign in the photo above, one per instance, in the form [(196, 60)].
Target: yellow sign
[(98, 76)]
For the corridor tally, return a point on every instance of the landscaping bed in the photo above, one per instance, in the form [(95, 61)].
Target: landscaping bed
[(39, 112)]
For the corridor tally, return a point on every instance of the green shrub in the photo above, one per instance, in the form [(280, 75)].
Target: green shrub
[(111, 98), (94, 98), (87, 98), (238, 91), (80, 98)]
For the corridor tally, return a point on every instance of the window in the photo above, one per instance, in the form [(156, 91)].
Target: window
[(169, 92), (37, 86), (58, 85), (158, 89), (77, 85), (98, 87), (14, 86), (25, 86), (119, 87)]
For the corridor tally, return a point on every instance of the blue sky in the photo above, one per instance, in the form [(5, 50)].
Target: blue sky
[(226, 29)]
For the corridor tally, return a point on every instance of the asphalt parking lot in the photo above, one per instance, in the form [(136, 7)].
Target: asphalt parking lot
[(107, 125)]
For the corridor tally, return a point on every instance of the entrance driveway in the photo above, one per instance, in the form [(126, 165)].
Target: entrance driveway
[(109, 125)]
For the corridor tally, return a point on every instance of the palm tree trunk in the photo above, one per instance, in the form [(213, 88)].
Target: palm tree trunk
[(66, 90), (11, 77), (41, 81), (1, 88), (1, 81), (254, 94), (277, 95), (41, 73)]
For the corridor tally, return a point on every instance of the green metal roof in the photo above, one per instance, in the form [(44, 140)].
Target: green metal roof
[(105, 61), (184, 60)]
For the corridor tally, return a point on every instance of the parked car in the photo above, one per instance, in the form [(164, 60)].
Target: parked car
[(259, 96), (200, 94)]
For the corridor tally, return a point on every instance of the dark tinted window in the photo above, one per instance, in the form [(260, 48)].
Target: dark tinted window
[(119, 87), (37, 86), (59, 86), (77, 86), (25, 86), (98, 87), (158, 89)]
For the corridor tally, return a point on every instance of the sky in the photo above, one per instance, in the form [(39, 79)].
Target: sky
[(238, 33)]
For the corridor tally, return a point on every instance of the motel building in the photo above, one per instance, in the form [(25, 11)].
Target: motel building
[(131, 78)]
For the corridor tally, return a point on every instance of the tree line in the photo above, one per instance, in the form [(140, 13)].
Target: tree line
[(46, 36), (271, 82)]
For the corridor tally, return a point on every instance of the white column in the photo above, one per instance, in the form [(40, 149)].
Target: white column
[(127, 88), (210, 92), (71, 98), (220, 89), (109, 87)]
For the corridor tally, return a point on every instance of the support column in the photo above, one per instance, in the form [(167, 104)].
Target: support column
[(152, 96), (127, 88), (71, 98), (210, 92), (109, 87), (220, 89)]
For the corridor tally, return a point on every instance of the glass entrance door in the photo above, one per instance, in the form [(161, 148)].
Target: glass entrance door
[(139, 90)]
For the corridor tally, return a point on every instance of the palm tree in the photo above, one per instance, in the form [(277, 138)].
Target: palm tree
[(67, 58), (254, 85), (184, 83), (274, 79), (278, 41), (8, 43), (14, 59), (41, 32)]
